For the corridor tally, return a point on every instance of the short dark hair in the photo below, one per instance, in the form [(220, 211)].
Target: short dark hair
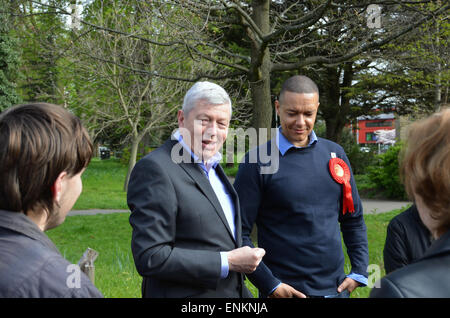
[(299, 84), (38, 142)]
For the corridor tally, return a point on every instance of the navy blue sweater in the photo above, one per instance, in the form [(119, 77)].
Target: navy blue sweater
[(298, 213)]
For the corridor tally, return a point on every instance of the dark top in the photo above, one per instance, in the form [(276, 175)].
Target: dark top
[(31, 265), (427, 277), (298, 213), (407, 240)]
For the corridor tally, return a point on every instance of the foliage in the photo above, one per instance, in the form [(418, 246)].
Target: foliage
[(9, 61), (142, 151), (42, 35), (413, 72), (359, 160), (384, 174)]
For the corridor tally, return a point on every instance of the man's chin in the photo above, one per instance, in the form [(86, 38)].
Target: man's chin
[(208, 154), (301, 141)]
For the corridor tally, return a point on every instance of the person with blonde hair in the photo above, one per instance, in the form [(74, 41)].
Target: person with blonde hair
[(425, 171)]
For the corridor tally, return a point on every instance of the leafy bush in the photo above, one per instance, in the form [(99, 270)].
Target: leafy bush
[(384, 174), (360, 160), (142, 151)]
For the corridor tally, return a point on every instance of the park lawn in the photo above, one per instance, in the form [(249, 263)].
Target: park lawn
[(115, 273), (110, 235), (103, 186)]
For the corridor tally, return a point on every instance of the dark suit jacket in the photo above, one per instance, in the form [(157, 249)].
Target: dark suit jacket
[(179, 228)]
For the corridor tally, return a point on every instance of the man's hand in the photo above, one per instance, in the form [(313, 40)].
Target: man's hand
[(245, 259), (286, 291), (348, 284)]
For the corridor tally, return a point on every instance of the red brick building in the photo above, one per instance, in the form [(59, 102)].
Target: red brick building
[(367, 125)]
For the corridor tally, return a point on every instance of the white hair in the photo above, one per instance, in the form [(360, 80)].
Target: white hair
[(207, 91)]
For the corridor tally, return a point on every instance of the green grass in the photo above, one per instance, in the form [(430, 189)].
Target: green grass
[(376, 236), (115, 273), (103, 186), (110, 235)]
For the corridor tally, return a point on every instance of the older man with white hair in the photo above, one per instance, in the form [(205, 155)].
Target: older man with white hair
[(185, 214)]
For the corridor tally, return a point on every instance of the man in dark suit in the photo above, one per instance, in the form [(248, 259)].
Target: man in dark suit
[(185, 214)]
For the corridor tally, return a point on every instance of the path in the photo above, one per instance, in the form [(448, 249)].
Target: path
[(370, 206)]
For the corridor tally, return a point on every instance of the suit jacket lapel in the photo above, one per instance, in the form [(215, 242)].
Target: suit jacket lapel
[(195, 172), (235, 198)]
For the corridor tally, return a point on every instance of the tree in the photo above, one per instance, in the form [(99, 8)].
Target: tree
[(42, 36), (414, 70), (282, 36), (260, 39), (9, 60), (130, 101)]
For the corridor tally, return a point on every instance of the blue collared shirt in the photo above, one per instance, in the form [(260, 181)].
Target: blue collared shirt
[(220, 190), (284, 145)]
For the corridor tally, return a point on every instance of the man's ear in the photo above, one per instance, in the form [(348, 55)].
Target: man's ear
[(180, 117), (277, 107), (57, 187)]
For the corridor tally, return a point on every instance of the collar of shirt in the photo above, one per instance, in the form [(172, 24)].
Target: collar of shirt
[(206, 166), (284, 145)]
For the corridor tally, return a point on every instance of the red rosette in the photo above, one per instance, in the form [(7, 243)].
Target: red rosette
[(341, 174)]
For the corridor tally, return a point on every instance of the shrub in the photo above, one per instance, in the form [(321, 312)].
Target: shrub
[(142, 151), (360, 160), (384, 174)]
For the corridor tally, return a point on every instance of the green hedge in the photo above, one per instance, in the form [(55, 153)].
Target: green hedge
[(384, 174)]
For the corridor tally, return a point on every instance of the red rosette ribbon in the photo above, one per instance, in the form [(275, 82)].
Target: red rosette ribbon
[(341, 174)]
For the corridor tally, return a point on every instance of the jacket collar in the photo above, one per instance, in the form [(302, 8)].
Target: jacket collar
[(20, 223), (440, 246)]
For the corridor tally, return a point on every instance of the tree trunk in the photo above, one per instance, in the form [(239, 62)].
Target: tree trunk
[(132, 160), (437, 89), (333, 129), (260, 70), (437, 81)]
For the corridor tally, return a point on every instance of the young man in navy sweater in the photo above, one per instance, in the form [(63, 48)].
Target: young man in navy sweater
[(301, 210)]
